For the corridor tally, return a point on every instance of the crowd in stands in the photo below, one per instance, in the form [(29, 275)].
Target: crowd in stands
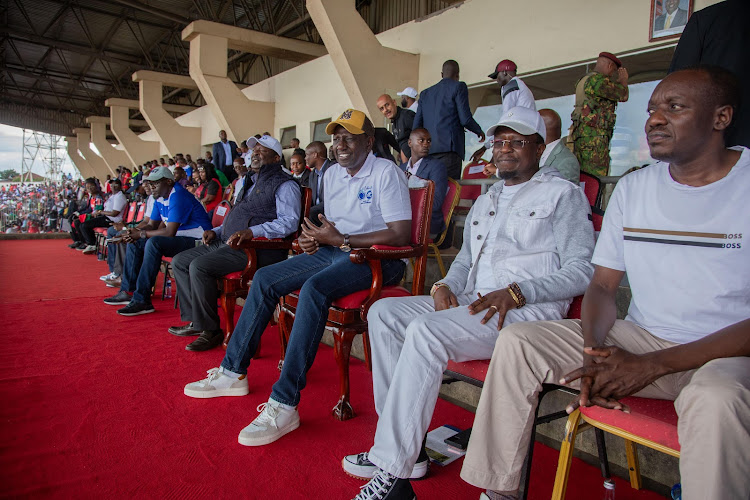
[(528, 250), (35, 208)]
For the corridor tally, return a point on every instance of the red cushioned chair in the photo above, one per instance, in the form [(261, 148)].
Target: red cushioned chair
[(652, 423), (473, 170), (449, 204), (101, 232), (347, 316), (236, 285), (592, 188), (220, 213)]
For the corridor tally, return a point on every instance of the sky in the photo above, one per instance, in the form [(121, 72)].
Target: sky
[(11, 153)]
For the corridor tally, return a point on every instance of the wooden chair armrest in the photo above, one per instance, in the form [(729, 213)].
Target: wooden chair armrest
[(380, 252), (250, 246)]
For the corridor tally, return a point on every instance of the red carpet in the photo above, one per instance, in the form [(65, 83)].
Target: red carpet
[(94, 405)]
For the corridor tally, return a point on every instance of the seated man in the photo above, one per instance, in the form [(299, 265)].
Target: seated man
[(422, 166), (674, 228), (177, 221), (300, 173), (269, 208), (526, 251), (238, 189), (367, 204), (112, 211)]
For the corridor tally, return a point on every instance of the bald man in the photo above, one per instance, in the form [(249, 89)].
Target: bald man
[(402, 121), (556, 154)]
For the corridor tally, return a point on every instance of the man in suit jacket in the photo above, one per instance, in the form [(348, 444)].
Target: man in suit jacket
[(316, 158), (224, 153), (673, 16), (444, 111), (556, 153), (427, 167)]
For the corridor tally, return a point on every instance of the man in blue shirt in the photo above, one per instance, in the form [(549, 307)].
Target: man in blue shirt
[(176, 222)]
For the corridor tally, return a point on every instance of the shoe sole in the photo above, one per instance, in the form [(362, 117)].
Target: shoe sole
[(217, 393), (244, 441), (89, 252), (136, 313), (119, 303), (115, 286), (191, 333), (420, 471)]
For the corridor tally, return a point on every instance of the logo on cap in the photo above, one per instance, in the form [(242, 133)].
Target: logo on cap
[(346, 115)]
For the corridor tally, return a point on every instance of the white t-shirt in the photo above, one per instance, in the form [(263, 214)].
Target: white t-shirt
[(149, 205), (116, 202), (486, 282), (377, 194), (685, 249)]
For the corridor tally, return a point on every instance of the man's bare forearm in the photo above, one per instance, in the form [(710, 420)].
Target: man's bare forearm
[(599, 311)]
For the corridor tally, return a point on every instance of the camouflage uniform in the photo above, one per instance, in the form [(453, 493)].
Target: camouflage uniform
[(593, 118)]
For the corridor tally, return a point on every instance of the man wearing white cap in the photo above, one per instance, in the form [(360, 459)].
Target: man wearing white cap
[(409, 98), (268, 206), (526, 253)]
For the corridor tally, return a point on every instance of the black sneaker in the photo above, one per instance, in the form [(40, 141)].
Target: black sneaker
[(207, 340), (359, 466), (81, 247), (121, 298), (73, 245), (184, 330), (135, 309), (384, 486)]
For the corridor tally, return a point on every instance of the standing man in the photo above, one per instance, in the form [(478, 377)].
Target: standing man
[(514, 93), (422, 166), (718, 35), (409, 98), (224, 153), (316, 157), (177, 221), (444, 111), (402, 121), (368, 204), (679, 229), (270, 208), (597, 95)]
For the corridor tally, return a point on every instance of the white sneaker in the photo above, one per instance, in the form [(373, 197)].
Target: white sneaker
[(89, 249), (109, 276), (217, 384), (359, 466), (273, 422)]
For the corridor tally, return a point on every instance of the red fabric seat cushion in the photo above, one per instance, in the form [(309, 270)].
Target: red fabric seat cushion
[(354, 300), (233, 276), (102, 230), (474, 369), (166, 259), (652, 419)]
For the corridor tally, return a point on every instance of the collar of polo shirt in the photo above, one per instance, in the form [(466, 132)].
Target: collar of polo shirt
[(364, 171)]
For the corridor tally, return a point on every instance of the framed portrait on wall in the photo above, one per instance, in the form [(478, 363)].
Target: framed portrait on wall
[(668, 18)]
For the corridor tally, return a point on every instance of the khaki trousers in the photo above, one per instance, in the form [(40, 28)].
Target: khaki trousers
[(712, 402)]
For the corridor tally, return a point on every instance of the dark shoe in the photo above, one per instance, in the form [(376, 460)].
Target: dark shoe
[(384, 486), (81, 246), (359, 466), (184, 330), (207, 340), (74, 245), (121, 298), (136, 309), (115, 283)]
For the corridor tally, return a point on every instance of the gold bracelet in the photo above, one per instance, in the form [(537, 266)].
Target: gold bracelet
[(435, 288), (518, 294), (515, 298)]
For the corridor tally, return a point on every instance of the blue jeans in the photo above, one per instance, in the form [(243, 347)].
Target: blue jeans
[(111, 249), (322, 277), (142, 262)]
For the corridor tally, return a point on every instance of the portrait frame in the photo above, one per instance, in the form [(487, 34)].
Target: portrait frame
[(657, 19)]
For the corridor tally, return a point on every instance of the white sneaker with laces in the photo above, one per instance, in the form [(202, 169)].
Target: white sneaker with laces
[(89, 249), (217, 384), (273, 422), (109, 276)]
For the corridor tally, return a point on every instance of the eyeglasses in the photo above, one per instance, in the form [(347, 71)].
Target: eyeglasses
[(515, 143)]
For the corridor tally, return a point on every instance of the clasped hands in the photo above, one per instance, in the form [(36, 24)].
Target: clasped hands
[(497, 302), (609, 374), (313, 236)]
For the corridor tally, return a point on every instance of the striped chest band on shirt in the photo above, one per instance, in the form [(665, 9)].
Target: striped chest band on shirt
[(687, 238)]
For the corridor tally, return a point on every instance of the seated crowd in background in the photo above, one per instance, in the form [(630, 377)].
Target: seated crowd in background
[(528, 249)]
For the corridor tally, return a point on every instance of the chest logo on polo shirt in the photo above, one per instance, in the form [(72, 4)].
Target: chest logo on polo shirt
[(365, 195)]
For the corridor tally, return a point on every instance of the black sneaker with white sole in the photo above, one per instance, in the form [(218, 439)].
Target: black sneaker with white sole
[(135, 309), (122, 297), (384, 486), (360, 467)]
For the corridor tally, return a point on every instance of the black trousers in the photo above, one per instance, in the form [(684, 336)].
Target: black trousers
[(452, 162), (87, 228)]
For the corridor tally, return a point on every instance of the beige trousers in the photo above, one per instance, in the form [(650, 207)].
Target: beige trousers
[(713, 405)]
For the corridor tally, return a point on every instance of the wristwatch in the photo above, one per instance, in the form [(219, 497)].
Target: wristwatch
[(345, 247)]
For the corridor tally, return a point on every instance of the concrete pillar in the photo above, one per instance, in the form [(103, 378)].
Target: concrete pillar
[(209, 43), (112, 156), (176, 138), (366, 68), (79, 161), (138, 150), (97, 163)]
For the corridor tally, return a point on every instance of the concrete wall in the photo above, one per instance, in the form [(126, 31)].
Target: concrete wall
[(477, 33)]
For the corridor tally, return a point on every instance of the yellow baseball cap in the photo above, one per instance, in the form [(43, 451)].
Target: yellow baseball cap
[(354, 121)]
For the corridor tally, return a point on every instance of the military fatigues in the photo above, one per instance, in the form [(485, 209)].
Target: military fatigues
[(593, 118)]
